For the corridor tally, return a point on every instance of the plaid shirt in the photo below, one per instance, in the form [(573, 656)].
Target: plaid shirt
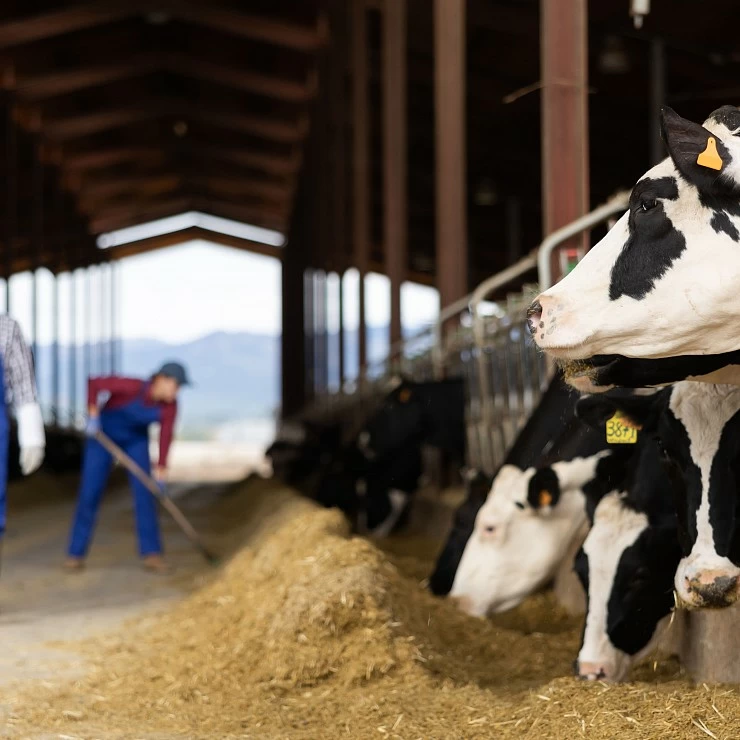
[(20, 381)]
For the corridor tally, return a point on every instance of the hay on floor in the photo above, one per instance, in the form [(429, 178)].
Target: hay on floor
[(309, 633)]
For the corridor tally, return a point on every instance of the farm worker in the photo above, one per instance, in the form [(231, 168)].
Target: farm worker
[(131, 407), (18, 385)]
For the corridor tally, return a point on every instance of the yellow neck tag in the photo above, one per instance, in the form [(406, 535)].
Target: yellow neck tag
[(710, 156), (621, 430)]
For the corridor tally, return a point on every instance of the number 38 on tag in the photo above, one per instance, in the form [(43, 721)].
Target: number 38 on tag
[(621, 430)]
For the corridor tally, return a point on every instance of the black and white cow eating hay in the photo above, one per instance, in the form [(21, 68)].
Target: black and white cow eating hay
[(663, 283), (698, 429), (627, 565)]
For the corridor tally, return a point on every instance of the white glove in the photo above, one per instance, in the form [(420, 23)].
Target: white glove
[(31, 459), (31, 436)]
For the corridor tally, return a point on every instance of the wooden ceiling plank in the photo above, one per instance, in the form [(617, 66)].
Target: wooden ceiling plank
[(100, 158), (240, 79), (75, 127), (56, 23), (43, 86), (269, 128), (255, 27)]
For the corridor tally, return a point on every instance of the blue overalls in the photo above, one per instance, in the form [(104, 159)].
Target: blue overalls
[(128, 427), (4, 442)]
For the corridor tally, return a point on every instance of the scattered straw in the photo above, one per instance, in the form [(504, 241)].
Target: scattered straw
[(309, 633)]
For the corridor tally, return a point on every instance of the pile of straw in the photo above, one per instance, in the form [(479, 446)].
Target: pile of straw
[(308, 633)]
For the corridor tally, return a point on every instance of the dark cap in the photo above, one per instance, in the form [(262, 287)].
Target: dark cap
[(175, 371)]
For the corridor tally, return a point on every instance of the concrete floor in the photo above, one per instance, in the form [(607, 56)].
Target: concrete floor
[(41, 604)]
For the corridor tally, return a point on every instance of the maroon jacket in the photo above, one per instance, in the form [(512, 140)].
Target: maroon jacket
[(125, 390)]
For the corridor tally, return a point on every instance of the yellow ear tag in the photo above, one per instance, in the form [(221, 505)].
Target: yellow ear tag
[(621, 430), (710, 157), (404, 396), (545, 498)]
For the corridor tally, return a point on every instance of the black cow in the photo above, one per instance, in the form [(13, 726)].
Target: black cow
[(298, 463), (431, 413), (374, 494)]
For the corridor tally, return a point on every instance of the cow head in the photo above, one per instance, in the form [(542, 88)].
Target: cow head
[(663, 281), (626, 566), (521, 532), (396, 423), (697, 429)]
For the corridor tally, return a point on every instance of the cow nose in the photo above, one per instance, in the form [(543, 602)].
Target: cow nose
[(534, 317), (591, 671), (711, 589)]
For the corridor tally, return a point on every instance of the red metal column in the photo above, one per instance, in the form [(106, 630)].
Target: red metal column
[(451, 209), (564, 74), (394, 154), (360, 144)]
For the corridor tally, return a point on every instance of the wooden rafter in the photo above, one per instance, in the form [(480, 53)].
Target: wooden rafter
[(42, 86)]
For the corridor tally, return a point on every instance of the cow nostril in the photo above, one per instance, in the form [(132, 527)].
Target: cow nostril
[(534, 316)]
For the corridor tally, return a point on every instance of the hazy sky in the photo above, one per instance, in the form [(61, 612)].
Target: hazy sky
[(183, 292)]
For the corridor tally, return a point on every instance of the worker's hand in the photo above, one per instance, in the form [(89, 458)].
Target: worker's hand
[(31, 459), (92, 427), (160, 474)]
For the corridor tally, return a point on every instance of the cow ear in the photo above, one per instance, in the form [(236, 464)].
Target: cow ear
[(543, 492), (596, 410), (699, 155)]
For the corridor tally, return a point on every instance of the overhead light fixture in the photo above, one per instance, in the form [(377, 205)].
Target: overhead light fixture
[(638, 10), (613, 59)]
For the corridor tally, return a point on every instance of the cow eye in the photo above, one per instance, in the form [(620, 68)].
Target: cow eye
[(519, 505), (648, 204)]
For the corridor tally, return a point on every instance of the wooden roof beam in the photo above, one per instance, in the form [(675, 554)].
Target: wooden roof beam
[(255, 27), (269, 128), (241, 187), (192, 233), (92, 195), (97, 159), (56, 23), (138, 211), (43, 86), (269, 86)]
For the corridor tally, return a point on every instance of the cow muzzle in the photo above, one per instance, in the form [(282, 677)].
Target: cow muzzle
[(707, 588), (595, 671)]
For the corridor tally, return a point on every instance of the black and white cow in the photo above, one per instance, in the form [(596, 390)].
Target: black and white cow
[(698, 428), (529, 523), (552, 433), (664, 281), (627, 566)]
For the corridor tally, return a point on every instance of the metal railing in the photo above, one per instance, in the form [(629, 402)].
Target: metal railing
[(505, 375)]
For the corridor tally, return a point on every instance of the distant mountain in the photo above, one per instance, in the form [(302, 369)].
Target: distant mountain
[(236, 375)]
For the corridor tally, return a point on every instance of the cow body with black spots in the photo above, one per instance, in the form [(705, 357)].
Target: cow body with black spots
[(697, 426), (627, 565), (665, 281)]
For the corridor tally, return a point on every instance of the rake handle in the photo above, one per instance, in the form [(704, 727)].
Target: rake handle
[(145, 479)]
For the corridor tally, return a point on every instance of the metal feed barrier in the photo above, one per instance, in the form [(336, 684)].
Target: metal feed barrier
[(489, 345)]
